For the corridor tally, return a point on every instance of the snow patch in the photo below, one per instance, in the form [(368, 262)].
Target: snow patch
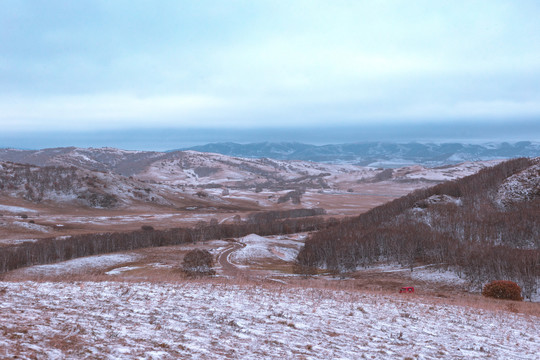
[(31, 226), (80, 265), (437, 275), (122, 269), (16, 209), (258, 247)]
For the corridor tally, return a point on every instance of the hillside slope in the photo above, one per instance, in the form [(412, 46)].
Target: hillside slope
[(474, 225), (216, 321)]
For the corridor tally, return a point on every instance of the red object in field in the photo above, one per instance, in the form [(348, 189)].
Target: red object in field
[(408, 289)]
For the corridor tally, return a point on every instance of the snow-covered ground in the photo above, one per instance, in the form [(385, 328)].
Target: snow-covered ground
[(79, 265), (522, 186), (115, 320), (453, 172), (425, 272), (258, 248), (15, 209), (31, 226), (437, 275)]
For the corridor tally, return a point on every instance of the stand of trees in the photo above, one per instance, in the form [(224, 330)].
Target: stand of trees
[(53, 250), (269, 216), (472, 234)]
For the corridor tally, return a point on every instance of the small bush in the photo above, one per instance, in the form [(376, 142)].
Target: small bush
[(201, 194), (502, 289), (198, 263), (147, 227)]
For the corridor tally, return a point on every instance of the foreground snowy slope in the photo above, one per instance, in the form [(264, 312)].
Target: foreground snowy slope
[(214, 321)]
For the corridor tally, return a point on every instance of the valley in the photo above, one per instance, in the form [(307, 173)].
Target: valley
[(66, 191), (160, 206)]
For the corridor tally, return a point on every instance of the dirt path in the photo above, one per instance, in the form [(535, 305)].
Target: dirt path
[(223, 259)]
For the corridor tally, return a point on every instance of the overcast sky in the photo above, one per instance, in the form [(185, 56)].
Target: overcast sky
[(91, 65)]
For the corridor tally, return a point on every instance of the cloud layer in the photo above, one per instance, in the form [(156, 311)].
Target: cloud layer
[(102, 64)]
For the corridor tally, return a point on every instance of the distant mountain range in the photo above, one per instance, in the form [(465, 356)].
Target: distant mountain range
[(379, 154)]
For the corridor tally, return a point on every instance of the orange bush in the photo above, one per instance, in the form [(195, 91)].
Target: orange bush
[(502, 289)]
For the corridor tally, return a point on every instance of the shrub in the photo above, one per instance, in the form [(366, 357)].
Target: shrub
[(502, 289), (201, 194), (147, 227), (295, 196), (198, 263)]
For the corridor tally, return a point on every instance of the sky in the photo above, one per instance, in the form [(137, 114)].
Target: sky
[(106, 67)]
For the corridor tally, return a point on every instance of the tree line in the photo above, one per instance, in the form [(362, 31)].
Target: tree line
[(51, 250)]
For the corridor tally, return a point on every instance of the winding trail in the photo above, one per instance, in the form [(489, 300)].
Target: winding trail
[(227, 267)]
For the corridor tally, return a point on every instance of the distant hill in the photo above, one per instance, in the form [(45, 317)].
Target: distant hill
[(378, 154), (114, 178)]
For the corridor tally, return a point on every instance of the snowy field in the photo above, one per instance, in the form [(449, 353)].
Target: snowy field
[(258, 248), (79, 266), (15, 209), (115, 320)]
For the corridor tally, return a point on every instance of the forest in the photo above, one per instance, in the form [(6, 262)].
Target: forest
[(460, 225)]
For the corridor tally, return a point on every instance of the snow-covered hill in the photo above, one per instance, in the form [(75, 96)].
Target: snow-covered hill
[(197, 168), (521, 187), (123, 162), (74, 185), (117, 178)]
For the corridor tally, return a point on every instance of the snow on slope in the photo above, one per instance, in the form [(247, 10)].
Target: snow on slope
[(216, 321), (258, 248), (522, 186), (446, 173), (123, 162), (194, 168), (16, 209), (31, 226), (80, 265), (71, 185)]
